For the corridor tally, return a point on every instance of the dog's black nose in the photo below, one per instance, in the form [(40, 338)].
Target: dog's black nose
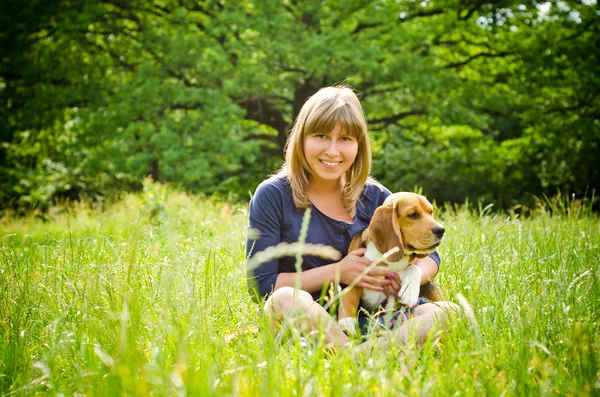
[(438, 231)]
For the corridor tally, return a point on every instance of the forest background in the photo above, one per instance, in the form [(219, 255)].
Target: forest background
[(486, 100)]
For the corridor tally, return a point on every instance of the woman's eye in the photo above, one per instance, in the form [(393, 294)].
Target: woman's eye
[(347, 139), (321, 136), (414, 215)]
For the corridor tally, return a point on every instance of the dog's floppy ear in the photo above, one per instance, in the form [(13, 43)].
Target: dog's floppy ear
[(384, 231)]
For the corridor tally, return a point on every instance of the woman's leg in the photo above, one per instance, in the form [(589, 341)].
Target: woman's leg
[(299, 308), (425, 319)]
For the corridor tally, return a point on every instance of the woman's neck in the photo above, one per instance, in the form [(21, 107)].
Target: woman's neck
[(327, 197), (326, 188)]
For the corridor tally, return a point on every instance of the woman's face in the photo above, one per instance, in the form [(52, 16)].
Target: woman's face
[(330, 155)]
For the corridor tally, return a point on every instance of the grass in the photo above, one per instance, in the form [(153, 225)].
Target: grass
[(148, 296)]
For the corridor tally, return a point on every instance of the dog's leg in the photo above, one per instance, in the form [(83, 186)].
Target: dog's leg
[(432, 291), (411, 281), (348, 310)]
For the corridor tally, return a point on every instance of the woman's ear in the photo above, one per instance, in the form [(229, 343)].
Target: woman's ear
[(382, 232)]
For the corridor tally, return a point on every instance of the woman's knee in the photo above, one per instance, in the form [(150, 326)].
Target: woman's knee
[(439, 311), (446, 309), (285, 300)]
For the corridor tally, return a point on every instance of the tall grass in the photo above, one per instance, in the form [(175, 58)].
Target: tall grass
[(148, 296)]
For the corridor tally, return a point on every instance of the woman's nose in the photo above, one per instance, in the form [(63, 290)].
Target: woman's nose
[(332, 149)]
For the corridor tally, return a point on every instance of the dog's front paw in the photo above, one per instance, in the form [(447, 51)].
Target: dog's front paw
[(348, 324), (411, 284), (410, 296)]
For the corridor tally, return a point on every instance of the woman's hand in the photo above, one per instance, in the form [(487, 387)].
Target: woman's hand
[(355, 263), (393, 289)]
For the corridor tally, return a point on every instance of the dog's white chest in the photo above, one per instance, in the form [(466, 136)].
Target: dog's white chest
[(410, 276)]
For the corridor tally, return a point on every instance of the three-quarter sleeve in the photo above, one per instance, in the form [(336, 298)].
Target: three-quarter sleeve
[(266, 222)]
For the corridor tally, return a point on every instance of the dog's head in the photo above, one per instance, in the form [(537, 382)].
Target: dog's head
[(405, 220)]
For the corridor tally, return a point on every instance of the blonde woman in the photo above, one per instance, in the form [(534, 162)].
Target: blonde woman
[(327, 165)]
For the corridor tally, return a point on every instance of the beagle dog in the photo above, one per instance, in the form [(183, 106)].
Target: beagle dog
[(405, 220)]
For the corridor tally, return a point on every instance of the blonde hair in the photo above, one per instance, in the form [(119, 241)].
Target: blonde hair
[(320, 114)]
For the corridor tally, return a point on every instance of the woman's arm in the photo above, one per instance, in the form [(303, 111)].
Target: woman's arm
[(311, 280), (266, 222), (350, 268), (429, 268)]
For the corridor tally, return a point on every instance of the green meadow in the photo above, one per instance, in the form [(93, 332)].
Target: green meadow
[(147, 296)]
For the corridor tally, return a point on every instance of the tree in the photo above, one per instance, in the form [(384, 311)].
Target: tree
[(463, 98)]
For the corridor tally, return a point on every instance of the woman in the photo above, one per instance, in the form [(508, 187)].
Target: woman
[(328, 160)]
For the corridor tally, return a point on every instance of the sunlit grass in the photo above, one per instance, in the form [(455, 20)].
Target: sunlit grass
[(148, 296)]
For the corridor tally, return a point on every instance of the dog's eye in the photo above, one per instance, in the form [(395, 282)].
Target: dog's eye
[(414, 215)]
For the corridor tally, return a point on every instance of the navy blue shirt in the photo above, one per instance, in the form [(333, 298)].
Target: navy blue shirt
[(274, 215)]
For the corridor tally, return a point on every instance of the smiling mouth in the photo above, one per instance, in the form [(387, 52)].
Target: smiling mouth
[(330, 164)]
